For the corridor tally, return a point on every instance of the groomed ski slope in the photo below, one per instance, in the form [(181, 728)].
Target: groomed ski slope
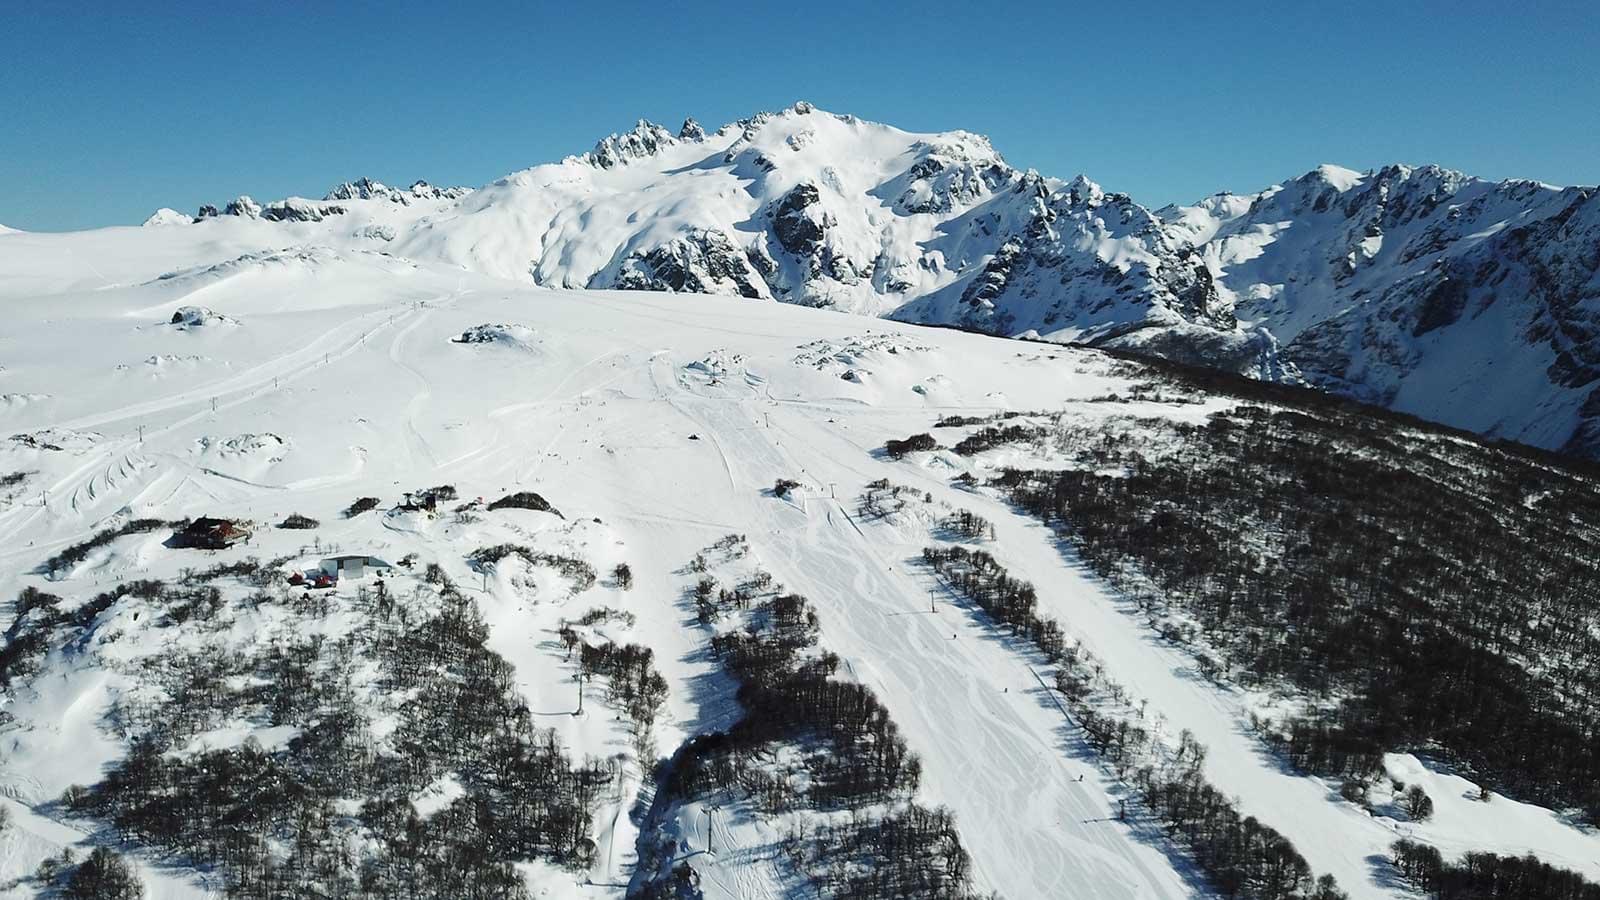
[(666, 418)]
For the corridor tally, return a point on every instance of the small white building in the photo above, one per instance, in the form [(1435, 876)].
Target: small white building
[(352, 566)]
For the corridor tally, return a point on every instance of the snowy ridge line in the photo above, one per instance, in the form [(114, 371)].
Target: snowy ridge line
[(1415, 288)]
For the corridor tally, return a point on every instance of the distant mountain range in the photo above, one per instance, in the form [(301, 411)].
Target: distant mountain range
[(1469, 302)]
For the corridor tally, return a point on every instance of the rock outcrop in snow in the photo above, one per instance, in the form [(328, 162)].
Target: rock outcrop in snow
[(518, 336), (644, 140), (368, 189), (243, 206), (190, 317), (296, 209), (299, 209), (701, 262)]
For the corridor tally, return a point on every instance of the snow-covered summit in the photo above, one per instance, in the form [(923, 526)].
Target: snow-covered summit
[(368, 189), (167, 216), (646, 139)]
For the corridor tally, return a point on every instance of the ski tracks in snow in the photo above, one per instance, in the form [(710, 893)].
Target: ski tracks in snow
[(992, 754), (416, 444)]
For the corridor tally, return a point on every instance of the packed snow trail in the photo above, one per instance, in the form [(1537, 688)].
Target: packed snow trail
[(989, 753), (244, 388)]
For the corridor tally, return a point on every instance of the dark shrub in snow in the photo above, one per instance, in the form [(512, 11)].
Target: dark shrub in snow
[(923, 441), (525, 500), (361, 505)]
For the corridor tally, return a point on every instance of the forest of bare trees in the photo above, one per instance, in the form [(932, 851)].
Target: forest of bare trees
[(331, 812), (846, 755), (1446, 592), (1241, 856)]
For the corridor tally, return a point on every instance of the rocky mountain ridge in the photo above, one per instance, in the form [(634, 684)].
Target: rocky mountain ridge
[(1419, 288)]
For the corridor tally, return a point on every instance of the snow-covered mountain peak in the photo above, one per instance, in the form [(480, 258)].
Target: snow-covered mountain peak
[(1338, 177), (1386, 195), (646, 139), (1080, 190), (370, 189), (423, 190), (360, 189), (167, 216), (691, 131), (243, 205), (1195, 225)]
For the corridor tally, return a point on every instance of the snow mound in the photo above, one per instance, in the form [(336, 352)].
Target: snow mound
[(305, 258), (163, 361), (245, 459), (517, 336), (187, 317), (383, 233), (18, 400), (57, 439), (936, 388), (852, 355), (253, 445), (717, 364)]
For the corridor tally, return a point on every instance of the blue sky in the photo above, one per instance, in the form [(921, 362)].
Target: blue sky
[(108, 111)]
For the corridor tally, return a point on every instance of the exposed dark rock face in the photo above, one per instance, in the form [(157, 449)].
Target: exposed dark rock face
[(423, 190), (798, 231), (187, 318), (952, 175), (368, 189), (1442, 305), (986, 288), (1254, 354), (360, 189), (705, 262), (243, 206), (296, 210)]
